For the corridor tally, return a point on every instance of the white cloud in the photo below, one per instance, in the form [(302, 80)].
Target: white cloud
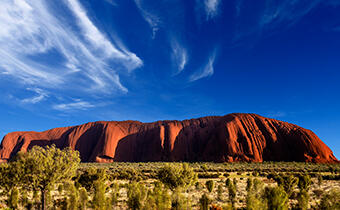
[(179, 56), (211, 8), (75, 105), (152, 19), (40, 95), (89, 61), (206, 71)]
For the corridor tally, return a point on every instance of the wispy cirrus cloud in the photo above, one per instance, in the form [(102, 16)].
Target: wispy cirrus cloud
[(85, 60), (211, 8), (273, 15), (152, 19), (206, 71), (77, 104), (179, 56), (40, 96)]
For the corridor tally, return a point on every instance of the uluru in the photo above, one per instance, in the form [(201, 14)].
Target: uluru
[(229, 138)]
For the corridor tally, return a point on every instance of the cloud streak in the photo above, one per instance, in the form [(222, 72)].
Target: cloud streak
[(76, 105), (211, 8), (152, 19), (33, 29), (179, 56), (40, 96), (206, 71)]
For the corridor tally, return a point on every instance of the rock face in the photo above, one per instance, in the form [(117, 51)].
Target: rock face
[(234, 137)]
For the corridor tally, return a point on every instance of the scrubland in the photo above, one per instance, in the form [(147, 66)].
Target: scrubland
[(158, 185)]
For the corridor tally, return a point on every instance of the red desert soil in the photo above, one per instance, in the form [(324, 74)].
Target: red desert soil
[(234, 137)]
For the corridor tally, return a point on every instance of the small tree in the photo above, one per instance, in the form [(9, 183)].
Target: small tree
[(44, 167), (210, 185)]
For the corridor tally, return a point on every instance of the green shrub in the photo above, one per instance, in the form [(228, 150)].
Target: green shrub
[(320, 179), (303, 200), (228, 182), (235, 183), (254, 199), (276, 198), (114, 195), (331, 200), (13, 199), (249, 184), (158, 198), (179, 201), (288, 183), (232, 192), (88, 177), (174, 176), (136, 195), (219, 192), (210, 185), (83, 198), (72, 196), (204, 202), (304, 182)]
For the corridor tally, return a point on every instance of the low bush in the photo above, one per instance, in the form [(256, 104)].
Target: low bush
[(330, 200), (210, 185), (204, 202), (175, 176)]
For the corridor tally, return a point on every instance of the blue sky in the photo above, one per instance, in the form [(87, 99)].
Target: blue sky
[(69, 62)]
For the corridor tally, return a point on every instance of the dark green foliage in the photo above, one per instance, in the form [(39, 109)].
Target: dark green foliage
[(320, 179), (88, 177), (227, 182), (72, 194), (288, 183), (249, 184), (174, 176), (13, 200), (179, 201), (276, 198), (136, 195), (114, 194), (331, 200), (158, 198), (219, 192), (100, 201), (204, 202), (83, 198), (210, 185), (39, 170), (235, 182), (303, 200), (254, 197), (304, 182), (232, 191)]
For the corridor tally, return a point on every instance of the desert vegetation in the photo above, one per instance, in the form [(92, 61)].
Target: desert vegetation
[(49, 178)]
